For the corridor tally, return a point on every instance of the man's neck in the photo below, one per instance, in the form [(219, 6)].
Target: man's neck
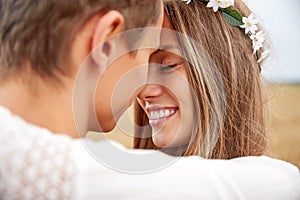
[(43, 105)]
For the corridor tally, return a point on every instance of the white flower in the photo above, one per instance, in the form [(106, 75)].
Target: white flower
[(187, 1), (228, 3), (264, 55), (250, 24), (257, 40), (215, 4)]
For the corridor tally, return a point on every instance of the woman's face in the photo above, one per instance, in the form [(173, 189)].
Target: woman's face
[(167, 97)]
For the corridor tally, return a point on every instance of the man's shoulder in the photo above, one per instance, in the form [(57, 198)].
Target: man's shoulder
[(14, 130), (14, 125)]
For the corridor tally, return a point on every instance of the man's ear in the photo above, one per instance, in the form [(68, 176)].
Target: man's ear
[(109, 24)]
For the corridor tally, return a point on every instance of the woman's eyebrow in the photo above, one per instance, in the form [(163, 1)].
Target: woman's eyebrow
[(167, 48)]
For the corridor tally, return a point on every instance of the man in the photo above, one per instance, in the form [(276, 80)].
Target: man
[(42, 46), (41, 52)]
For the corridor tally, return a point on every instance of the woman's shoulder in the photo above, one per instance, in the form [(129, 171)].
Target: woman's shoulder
[(245, 177), (260, 165), (267, 164), (260, 162)]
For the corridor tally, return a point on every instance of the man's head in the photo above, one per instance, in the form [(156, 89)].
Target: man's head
[(50, 39), (40, 33)]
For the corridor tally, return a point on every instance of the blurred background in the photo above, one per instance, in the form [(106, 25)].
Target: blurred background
[(282, 75), (282, 81)]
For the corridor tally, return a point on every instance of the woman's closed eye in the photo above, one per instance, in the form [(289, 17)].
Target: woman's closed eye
[(168, 61), (170, 67)]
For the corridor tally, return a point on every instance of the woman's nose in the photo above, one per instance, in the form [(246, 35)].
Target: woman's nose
[(150, 92)]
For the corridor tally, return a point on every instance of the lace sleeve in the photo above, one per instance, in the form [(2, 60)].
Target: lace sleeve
[(35, 164)]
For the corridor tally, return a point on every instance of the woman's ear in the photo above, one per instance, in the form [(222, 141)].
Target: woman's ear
[(109, 24)]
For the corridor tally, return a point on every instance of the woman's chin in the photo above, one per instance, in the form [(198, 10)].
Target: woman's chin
[(162, 141)]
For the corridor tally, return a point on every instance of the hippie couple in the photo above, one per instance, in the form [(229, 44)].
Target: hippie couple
[(195, 86)]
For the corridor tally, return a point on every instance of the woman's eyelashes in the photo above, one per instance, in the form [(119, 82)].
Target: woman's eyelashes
[(170, 67), (167, 67)]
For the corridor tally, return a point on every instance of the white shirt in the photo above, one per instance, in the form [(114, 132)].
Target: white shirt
[(37, 164)]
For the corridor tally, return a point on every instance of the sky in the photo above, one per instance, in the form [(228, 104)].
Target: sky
[(281, 20)]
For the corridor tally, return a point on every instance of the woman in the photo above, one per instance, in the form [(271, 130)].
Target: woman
[(221, 116)]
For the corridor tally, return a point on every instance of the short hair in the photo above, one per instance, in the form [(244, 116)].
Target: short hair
[(40, 32)]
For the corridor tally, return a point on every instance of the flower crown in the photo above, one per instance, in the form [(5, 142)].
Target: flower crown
[(235, 18)]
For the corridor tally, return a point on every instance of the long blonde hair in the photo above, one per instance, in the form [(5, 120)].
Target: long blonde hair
[(228, 105)]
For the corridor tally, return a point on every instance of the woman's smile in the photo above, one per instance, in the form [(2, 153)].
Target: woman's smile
[(158, 115)]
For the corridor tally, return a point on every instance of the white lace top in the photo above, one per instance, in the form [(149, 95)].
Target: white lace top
[(36, 164)]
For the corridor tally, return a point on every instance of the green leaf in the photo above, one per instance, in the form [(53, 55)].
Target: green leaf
[(233, 17)]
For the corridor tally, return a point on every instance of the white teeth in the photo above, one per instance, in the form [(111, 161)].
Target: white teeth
[(161, 114), (167, 113), (154, 115)]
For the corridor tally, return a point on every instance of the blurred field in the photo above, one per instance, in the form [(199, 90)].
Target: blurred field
[(283, 122), (283, 116)]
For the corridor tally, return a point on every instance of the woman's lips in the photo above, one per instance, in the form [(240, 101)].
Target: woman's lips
[(158, 116)]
